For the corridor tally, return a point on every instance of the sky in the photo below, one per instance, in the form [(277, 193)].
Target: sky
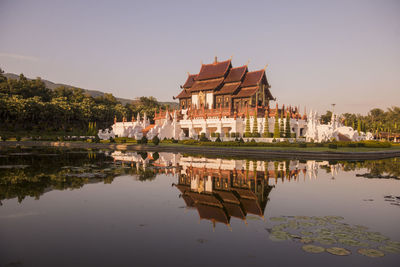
[(318, 52)]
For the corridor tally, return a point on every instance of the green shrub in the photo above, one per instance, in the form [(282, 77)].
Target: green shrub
[(95, 140), (247, 135), (241, 140), (203, 137), (143, 140), (155, 140), (4, 137), (189, 142), (293, 135), (112, 140), (18, 138), (156, 156), (213, 135), (174, 141), (302, 145), (218, 139), (333, 146)]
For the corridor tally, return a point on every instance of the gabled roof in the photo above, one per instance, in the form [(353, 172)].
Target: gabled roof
[(228, 88), (246, 92), (212, 213), (206, 199), (251, 206), (236, 74), (235, 210), (189, 81), (183, 94), (253, 78), (214, 70), (206, 84)]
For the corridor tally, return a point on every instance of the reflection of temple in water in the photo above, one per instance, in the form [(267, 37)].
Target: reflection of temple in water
[(220, 189)]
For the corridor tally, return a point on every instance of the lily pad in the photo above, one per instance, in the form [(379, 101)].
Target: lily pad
[(302, 217), (278, 219), (370, 252), (361, 227), (306, 224), (279, 236), (376, 237), (349, 242), (306, 240), (393, 244), (325, 240), (278, 227), (313, 249), (334, 218), (343, 236), (338, 251), (390, 249), (306, 233)]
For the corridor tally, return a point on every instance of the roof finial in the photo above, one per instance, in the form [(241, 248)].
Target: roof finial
[(248, 61), (231, 57), (265, 67), (201, 62), (215, 59)]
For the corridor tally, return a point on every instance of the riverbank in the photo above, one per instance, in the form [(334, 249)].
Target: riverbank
[(359, 153)]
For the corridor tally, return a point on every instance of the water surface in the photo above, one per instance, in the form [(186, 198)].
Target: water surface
[(114, 208)]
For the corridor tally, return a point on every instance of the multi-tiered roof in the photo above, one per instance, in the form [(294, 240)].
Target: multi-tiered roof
[(222, 79)]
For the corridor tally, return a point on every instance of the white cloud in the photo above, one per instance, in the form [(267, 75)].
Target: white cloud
[(20, 57)]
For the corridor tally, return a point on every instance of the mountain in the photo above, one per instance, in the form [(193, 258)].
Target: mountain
[(94, 93)]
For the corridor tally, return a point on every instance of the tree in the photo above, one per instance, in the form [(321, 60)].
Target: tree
[(282, 126), (247, 130), (266, 126), (326, 118), (287, 128), (276, 125), (359, 126), (255, 125)]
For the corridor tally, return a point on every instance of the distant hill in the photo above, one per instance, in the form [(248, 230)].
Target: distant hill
[(94, 93)]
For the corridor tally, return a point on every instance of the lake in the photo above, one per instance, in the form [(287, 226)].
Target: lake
[(120, 208)]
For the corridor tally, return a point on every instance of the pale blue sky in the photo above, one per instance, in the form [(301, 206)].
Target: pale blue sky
[(319, 52)]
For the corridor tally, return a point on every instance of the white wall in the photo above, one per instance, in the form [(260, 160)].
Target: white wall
[(209, 99), (195, 100)]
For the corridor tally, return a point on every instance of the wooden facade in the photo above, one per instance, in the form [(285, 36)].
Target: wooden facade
[(219, 85)]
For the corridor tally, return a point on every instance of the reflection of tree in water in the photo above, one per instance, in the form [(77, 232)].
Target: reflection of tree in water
[(35, 172), (376, 168)]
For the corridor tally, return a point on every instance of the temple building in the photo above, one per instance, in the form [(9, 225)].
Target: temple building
[(219, 101), (219, 85)]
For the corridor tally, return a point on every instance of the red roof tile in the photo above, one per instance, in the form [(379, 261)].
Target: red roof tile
[(183, 94), (206, 85), (214, 70), (189, 81), (228, 88), (253, 78), (246, 92), (236, 74)]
